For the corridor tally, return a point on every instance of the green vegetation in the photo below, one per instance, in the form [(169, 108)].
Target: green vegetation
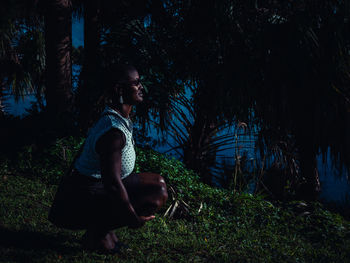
[(208, 224), (207, 65)]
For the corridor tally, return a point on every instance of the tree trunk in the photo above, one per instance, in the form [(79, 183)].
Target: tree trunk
[(196, 155), (2, 106), (305, 132), (89, 88), (58, 45), (310, 183)]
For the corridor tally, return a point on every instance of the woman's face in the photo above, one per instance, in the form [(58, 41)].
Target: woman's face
[(133, 91)]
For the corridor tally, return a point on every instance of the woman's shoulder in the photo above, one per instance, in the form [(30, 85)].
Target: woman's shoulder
[(107, 122), (103, 122), (107, 118), (116, 119)]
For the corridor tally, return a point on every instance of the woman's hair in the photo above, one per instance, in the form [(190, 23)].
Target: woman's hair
[(111, 76), (115, 74)]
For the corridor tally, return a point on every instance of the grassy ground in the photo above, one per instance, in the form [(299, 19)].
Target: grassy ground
[(209, 225)]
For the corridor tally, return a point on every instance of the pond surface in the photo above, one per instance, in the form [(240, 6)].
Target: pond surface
[(334, 181)]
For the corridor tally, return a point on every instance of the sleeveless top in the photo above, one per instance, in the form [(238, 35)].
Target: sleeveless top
[(88, 163)]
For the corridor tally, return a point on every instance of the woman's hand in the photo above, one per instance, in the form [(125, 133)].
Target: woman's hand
[(141, 221), (146, 218)]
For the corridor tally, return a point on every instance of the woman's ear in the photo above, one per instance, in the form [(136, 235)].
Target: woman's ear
[(117, 89)]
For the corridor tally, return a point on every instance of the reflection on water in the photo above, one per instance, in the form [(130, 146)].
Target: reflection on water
[(334, 181), (18, 108)]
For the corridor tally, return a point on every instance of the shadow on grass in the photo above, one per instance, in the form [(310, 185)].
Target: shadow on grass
[(16, 245)]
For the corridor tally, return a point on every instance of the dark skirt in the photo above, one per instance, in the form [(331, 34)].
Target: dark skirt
[(81, 202)]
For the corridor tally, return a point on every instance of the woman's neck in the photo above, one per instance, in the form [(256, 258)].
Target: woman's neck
[(123, 109)]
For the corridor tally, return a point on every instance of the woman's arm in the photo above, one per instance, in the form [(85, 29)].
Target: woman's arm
[(109, 148)]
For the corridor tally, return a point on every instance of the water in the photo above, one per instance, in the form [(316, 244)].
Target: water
[(20, 107), (335, 186), (334, 182)]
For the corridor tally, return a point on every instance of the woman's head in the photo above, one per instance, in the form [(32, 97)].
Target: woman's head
[(123, 85)]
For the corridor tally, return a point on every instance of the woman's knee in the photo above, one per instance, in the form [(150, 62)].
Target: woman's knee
[(153, 181), (162, 189), (160, 192), (164, 192), (155, 204), (150, 178), (153, 191)]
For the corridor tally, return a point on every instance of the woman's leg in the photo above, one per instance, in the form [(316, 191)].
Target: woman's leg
[(84, 204), (147, 192)]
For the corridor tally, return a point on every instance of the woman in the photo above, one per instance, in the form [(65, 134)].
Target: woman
[(102, 193)]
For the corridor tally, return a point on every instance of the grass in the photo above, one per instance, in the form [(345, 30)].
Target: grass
[(209, 225)]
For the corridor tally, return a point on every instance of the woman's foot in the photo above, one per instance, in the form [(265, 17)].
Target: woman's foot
[(104, 242), (118, 244), (113, 236)]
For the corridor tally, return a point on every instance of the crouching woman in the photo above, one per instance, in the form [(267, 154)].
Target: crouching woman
[(102, 193)]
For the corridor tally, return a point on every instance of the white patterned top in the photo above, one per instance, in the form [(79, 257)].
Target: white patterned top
[(88, 163)]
